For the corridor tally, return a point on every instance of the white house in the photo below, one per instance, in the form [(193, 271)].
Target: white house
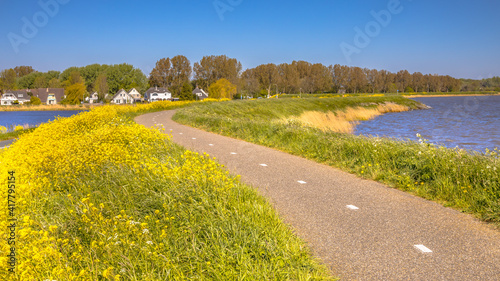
[(10, 97), (200, 94), (122, 97), (157, 94), (136, 95), (93, 98)]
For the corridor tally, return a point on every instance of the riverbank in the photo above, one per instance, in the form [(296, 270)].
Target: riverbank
[(14, 134), (98, 196), (450, 95), (453, 177), (45, 107)]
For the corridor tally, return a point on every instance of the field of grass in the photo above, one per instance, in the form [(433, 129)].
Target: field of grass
[(99, 197), (453, 177)]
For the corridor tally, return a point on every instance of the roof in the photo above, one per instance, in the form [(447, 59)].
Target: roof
[(17, 94), (157, 90), (43, 93), (198, 91), (122, 91)]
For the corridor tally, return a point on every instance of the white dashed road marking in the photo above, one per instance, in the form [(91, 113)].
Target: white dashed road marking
[(233, 153), (211, 145), (352, 207), (263, 165), (302, 182), (194, 138), (423, 249)]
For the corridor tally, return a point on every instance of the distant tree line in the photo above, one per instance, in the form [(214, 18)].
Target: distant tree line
[(77, 81), (223, 77)]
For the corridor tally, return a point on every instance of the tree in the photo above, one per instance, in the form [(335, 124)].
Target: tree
[(371, 77), (41, 82), (403, 80), (222, 88), (186, 91), (90, 73), (75, 93), (54, 83), (8, 79), (418, 81), (75, 78), (249, 84), (340, 76), (101, 86), (288, 78), (357, 79), (35, 101), (181, 70), (27, 81), (213, 68), (51, 74), (320, 78), (65, 75), (23, 70), (266, 75), (161, 75), (125, 76)]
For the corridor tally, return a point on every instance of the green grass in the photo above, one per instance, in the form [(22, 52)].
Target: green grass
[(14, 134), (464, 180), (160, 213), (212, 233)]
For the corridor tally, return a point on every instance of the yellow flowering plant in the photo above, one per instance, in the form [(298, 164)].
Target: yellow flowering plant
[(99, 197)]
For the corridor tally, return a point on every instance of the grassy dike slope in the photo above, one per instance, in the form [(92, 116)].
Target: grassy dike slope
[(99, 197), (453, 177)]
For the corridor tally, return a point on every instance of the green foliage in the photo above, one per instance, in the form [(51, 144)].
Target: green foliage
[(74, 94), (8, 79), (12, 134), (55, 83), (187, 92), (171, 73), (409, 90), (125, 76), (222, 89), (468, 181), (118, 76), (41, 82), (35, 101), (212, 68), (150, 217)]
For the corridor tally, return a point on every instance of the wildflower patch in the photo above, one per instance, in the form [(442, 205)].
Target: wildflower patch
[(103, 198)]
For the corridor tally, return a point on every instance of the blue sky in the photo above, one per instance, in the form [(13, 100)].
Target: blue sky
[(458, 38)]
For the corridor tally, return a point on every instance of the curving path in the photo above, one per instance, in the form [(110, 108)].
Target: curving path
[(361, 229), (7, 143)]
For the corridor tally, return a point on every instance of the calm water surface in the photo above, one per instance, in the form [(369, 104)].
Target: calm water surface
[(467, 122), (10, 118)]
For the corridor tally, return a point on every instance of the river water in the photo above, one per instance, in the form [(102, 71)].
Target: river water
[(471, 122), (32, 118)]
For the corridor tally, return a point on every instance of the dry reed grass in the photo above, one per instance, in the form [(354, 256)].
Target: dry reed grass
[(44, 107), (345, 121)]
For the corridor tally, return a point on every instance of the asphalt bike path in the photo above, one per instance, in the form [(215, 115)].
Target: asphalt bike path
[(361, 229)]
